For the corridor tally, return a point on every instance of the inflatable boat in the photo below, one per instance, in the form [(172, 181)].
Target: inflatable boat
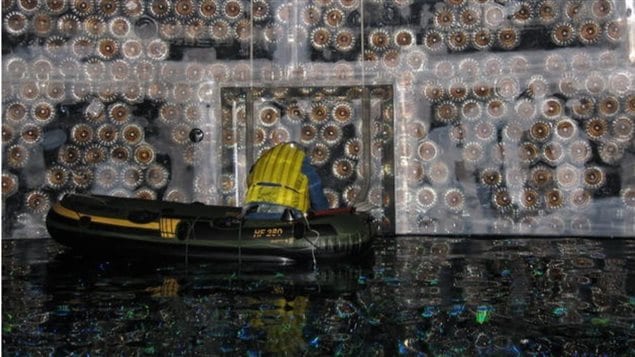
[(116, 226)]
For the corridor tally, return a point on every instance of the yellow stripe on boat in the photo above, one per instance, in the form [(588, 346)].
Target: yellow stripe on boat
[(166, 226)]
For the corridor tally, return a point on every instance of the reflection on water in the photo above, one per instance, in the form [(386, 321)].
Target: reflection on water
[(425, 296)]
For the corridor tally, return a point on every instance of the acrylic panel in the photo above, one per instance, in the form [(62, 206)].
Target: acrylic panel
[(509, 117)]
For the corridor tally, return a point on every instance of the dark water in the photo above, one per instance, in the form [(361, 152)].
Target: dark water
[(418, 296)]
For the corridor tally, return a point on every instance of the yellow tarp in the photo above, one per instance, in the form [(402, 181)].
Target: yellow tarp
[(277, 178)]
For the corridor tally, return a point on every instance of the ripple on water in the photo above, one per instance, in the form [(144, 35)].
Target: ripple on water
[(434, 296)]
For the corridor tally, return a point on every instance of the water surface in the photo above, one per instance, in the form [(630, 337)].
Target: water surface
[(416, 296)]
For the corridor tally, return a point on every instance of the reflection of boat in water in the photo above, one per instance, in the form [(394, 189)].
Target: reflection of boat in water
[(257, 280), (116, 226)]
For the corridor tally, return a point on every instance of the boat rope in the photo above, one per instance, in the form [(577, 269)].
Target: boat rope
[(102, 201), (190, 233), (240, 241), (187, 248), (313, 246)]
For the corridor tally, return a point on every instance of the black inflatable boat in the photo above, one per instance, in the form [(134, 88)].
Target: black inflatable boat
[(116, 226)]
